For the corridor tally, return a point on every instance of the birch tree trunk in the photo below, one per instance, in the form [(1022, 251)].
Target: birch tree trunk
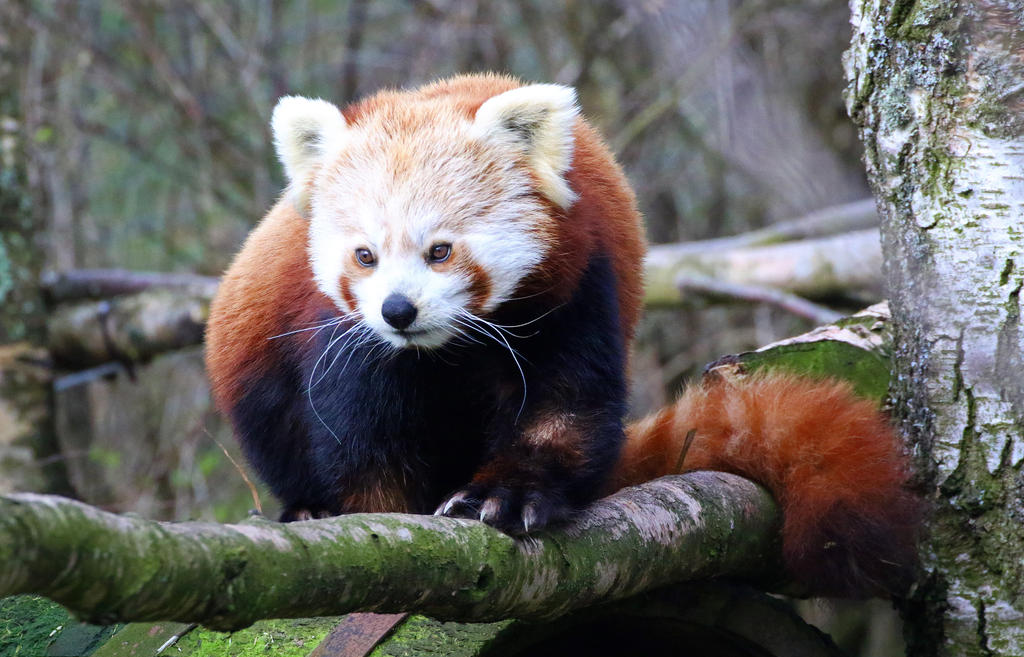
[(937, 89)]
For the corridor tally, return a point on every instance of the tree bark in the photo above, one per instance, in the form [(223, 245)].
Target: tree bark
[(825, 222), (935, 89), (117, 568), (712, 288)]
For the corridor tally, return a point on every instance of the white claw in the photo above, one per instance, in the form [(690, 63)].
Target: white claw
[(490, 508), (445, 508), (529, 518)]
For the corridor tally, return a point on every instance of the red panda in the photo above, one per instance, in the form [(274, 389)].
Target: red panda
[(436, 316)]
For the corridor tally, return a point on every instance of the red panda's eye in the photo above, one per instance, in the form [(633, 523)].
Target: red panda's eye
[(365, 257), (439, 252)]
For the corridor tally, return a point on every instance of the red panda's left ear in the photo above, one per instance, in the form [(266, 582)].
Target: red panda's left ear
[(538, 118)]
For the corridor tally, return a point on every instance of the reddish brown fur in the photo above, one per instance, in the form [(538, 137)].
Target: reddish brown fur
[(560, 435), (267, 290), (345, 289), (830, 458), (480, 283), (377, 497)]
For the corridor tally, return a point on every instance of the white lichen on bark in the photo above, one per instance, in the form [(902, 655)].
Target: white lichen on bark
[(936, 88)]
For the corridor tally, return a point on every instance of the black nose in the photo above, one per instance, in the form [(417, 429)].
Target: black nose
[(398, 311)]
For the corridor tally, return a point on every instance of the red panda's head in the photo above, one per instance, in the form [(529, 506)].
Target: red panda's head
[(421, 215)]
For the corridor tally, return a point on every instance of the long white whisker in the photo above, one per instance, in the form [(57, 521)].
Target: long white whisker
[(496, 327), (515, 359), (491, 331), (481, 329), (529, 296), (373, 350), (319, 327), (364, 337), (466, 324), (535, 319), (309, 386), (462, 333), (348, 332), (330, 343)]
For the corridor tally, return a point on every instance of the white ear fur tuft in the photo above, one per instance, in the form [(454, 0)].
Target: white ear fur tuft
[(540, 119), (304, 130)]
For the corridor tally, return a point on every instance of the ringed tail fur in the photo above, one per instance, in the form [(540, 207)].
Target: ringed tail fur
[(830, 458)]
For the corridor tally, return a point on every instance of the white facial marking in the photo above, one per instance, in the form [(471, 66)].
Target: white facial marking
[(397, 195)]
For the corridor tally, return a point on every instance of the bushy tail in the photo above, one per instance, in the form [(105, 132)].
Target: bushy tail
[(830, 458)]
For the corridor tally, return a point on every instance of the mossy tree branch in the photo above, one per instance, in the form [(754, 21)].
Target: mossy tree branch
[(110, 568)]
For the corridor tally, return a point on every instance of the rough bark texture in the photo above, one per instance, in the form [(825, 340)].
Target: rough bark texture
[(936, 90), (111, 568), (855, 349), (222, 565)]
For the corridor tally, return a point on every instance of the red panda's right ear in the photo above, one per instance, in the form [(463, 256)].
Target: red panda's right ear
[(538, 118), (305, 129)]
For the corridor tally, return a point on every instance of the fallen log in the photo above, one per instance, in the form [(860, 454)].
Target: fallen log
[(847, 266), (79, 284), (127, 329)]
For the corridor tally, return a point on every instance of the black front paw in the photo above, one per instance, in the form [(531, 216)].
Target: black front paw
[(514, 510)]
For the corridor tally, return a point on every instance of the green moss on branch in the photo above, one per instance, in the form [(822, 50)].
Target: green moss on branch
[(110, 568)]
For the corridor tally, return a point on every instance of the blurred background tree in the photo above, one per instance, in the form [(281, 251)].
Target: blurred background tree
[(142, 141)]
